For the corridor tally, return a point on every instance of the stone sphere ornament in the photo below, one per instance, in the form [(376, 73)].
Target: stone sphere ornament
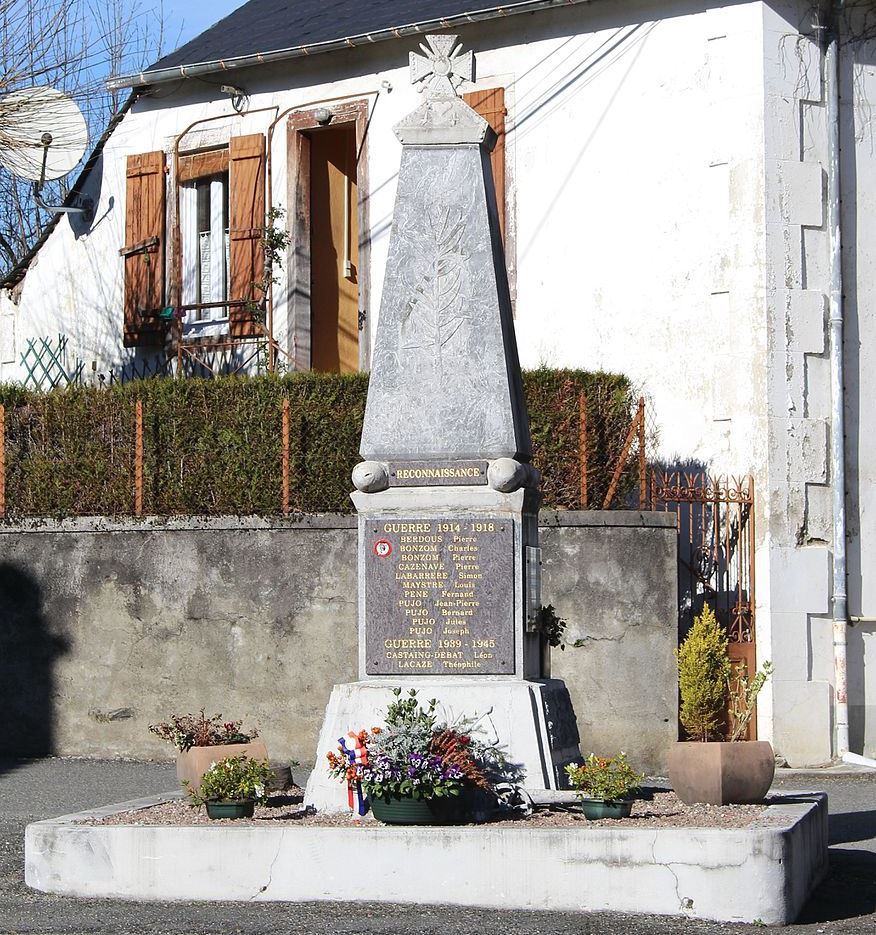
[(370, 476), (507, 475)]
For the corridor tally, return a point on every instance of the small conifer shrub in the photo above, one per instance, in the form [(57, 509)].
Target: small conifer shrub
[(703, 674)]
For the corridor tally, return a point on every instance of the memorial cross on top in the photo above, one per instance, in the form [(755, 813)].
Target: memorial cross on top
[(442, 67)]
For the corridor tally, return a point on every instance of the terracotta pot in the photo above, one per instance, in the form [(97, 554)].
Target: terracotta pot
[(722, 773), (191, 764)]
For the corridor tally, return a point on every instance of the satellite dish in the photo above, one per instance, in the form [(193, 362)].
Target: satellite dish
[(43, 134)]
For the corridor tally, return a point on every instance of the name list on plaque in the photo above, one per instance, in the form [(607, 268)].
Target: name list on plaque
[(439, 596)]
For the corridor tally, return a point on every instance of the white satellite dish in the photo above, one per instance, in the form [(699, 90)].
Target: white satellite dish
[(43, 134)]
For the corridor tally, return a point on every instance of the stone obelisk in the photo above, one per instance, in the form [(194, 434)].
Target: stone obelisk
[(446, 498)]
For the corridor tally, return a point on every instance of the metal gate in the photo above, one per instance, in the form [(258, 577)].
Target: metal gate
[(715, 555)]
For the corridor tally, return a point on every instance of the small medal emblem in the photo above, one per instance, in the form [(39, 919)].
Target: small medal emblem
[(382, 548)]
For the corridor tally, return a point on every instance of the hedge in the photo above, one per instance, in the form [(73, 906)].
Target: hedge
[(215, 446)]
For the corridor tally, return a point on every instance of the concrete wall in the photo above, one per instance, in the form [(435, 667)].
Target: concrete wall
[(613, 576), (108, 627)]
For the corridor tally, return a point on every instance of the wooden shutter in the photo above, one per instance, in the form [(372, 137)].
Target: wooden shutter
[(246, 179), (201, 164), (490, 105), (144, 250)]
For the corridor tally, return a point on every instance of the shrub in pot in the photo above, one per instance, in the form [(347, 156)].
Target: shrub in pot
[(232, 787), (707, 768), (202, 741), (604, 785)]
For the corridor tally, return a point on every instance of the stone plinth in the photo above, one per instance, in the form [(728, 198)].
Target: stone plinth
[(763, 873)]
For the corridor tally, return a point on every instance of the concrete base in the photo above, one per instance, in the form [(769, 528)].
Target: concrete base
[(533, 721), (763, 872)]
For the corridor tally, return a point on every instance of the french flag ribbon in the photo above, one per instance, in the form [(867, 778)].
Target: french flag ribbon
[(357, 755)]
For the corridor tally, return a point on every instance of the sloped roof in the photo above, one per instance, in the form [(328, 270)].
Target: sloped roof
[(270, 30)]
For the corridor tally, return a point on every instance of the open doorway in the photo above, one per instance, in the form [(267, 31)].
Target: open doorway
[(327, 270)]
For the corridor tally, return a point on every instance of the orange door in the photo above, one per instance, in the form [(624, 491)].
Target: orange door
[(334, 257)]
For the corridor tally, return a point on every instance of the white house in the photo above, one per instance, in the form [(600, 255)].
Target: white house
[(669, 180)]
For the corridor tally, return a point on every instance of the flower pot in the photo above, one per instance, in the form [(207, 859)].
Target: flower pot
[(722, 773), (594, 809), (242, 809), (191, 764), (404, 810)]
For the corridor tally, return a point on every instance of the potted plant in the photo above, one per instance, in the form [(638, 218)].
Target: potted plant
[(232, 787), (707, 768), (415, 770), (604, 785), (202, 741)]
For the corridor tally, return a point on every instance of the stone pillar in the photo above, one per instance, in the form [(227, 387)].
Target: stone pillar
[(449, 578)]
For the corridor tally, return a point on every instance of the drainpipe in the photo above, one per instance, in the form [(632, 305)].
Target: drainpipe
[(837, 421)]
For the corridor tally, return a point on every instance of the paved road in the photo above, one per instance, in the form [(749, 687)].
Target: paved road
[(845, 904)]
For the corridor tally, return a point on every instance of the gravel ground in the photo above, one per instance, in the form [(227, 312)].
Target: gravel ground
[(845, 904), (660, 810)]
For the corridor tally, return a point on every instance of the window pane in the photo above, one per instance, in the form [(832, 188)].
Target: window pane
[(203, 205)]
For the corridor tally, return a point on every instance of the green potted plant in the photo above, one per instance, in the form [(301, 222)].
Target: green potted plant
[(717, 702), (202, 741), (413, 769), (232, 787), (604, 785)]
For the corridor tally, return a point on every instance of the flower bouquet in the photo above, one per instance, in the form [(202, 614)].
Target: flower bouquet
[(414, 770)]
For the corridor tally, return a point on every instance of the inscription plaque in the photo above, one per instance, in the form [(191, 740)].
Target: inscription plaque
[(437, 473), (439, 595)]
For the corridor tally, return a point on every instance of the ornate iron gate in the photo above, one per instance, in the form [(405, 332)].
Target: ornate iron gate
[(715, 554)]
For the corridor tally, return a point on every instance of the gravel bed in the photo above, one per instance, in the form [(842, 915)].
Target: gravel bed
[(662, 810)]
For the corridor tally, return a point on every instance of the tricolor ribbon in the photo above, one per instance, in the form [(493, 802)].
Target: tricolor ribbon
[(357, 755)]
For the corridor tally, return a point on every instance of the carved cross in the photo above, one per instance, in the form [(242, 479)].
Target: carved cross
[(442, 67)]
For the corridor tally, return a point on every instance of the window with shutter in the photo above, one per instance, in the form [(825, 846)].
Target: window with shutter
[(246, 223), (144, 250), (204, 243), (490, 104)]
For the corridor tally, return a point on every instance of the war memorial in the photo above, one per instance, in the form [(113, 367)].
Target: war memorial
[(449, 587)]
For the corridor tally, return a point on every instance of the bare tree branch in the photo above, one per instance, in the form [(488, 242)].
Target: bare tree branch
[(74, 46)]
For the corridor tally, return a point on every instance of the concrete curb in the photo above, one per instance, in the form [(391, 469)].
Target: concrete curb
[(763, 872)]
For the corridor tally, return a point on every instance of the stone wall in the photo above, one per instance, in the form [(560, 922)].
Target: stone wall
[(613, 576), (106, 627)]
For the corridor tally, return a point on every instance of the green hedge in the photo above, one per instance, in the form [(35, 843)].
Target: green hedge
[(215, 446)]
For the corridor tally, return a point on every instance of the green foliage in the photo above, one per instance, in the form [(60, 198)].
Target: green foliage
[(703, 674), (608, 778), (234, 779), (551, 626), (554, 421), (215, 446)]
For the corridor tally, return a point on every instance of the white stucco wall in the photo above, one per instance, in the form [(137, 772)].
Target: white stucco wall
[(665, 216)]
